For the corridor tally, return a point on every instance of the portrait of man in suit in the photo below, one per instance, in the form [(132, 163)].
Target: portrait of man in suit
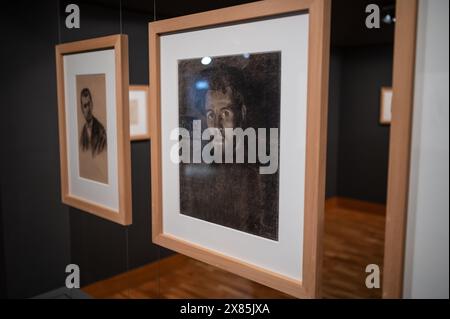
[(232, 92), (93, 134), (92, 127)]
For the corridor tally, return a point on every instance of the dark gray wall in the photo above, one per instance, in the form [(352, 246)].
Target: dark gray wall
[(35, 223), (2, 254), (334, 97), (41, 235), (358, 145), (363, 141)]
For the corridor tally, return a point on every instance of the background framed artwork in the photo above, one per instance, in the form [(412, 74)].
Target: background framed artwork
[(386, 105), (289, 261), (139, 128), (93, 117)]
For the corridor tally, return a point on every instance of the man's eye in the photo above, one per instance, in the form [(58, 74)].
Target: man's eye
[(226, 114), (210, 115)]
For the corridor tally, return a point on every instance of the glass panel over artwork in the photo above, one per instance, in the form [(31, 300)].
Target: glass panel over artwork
[(223, 94)]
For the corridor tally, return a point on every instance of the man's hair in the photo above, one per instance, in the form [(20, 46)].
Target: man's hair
[(86, 93), (220, 78)]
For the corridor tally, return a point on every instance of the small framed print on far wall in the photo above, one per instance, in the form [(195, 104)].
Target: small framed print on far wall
[(139, 128), (386, 105), (92, 84)]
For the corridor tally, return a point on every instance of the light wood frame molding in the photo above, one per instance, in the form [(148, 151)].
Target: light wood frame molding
[(383, 91), (142, 137), (120, 45), (317, 101), (400, 147)]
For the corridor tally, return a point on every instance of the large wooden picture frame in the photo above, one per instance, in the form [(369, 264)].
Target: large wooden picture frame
[(89, 56), (315, 147), (400, 147)]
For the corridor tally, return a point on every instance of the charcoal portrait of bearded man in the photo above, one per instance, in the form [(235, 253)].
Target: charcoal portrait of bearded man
[(238, 91)]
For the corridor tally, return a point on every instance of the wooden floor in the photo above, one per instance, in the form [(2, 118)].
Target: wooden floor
[(354, 234), (354, 238)]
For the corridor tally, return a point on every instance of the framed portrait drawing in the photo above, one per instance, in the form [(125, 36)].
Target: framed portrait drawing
[(94, 133), (139, 128), (238, 125), (386, 105)]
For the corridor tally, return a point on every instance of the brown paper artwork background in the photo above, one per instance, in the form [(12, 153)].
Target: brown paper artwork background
[(93, 167), (134, 112)]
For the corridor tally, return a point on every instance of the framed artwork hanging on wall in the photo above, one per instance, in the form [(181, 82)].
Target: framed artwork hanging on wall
[(139, 128), (94, 132), (386, 105), (238, 125)]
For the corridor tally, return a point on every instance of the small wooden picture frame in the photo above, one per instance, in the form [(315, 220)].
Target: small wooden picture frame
[(386, 105), (94, 132), (139, 113)]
